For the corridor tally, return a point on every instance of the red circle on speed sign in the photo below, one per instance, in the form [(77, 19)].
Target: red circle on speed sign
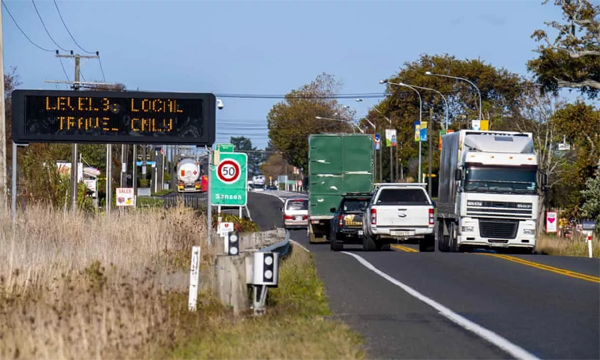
[(228, 171)]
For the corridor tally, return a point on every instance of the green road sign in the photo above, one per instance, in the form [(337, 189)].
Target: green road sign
[(225, 147), (230, 179)]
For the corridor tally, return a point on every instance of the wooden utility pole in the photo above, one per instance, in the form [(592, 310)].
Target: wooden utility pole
[(76, 85), (3, 202)]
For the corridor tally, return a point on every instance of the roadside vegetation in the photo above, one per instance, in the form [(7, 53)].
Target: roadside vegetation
[(296, 325), (86, 285), (576, 246)]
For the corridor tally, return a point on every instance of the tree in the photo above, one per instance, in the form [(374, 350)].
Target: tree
[(537, 111), (591, 195), (291, 121), (572, 59), (255, 156), (580, 125), (501, 93), (275, 166)]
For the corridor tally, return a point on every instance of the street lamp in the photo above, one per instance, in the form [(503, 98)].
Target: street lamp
[(420, 112), (459, 78), (344, 121), (443, 97)]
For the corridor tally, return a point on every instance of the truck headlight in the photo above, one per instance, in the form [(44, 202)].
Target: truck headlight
[(469, 228), (529, 231)]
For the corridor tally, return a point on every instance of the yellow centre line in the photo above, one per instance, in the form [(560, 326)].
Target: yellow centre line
[(553, 269), (403, 248)]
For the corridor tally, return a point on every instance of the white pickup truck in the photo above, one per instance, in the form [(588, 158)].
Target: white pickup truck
[(399, 211)]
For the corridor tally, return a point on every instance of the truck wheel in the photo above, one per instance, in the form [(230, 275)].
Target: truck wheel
[(443, 240), (369, 244), (336, 245), (452, 244), (427, 244)]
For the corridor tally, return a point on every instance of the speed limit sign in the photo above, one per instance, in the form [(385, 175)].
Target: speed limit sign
[(228, 171), (230, 180)]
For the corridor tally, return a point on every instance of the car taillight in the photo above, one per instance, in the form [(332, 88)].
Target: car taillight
[(373, 216), (288, 217), (305, 217), (340, 220), (430, 216)]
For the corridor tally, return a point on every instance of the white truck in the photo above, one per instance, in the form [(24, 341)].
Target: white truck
[(489, 183), (398, 212), (188, 176)]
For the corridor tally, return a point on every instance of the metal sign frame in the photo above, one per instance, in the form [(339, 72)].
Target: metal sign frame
[(208, 101)]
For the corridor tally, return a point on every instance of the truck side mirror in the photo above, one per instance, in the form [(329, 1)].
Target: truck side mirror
[(544, 179), (457, 175), (332, 210)]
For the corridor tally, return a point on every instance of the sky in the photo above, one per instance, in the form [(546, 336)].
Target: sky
[(263, 47)]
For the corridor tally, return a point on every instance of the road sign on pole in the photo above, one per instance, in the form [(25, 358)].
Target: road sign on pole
[(230, 180)]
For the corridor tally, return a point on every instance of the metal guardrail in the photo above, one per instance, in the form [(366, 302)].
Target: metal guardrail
[(282, 247)]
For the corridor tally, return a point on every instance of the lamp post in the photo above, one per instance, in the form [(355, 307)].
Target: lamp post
[(344, 121), (376, 171), (443, 97), (420, 112), (459, 78)]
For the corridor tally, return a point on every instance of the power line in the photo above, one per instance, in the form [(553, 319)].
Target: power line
[(335, 96), (71, 35), (45, 28), (63, 69), (21, 30), (101, 68)]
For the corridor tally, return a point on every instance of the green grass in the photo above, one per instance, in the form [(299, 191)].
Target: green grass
[(296, 325), (145, 202), (162, 192)]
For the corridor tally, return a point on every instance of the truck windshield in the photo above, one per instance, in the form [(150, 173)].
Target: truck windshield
[(402, 197), (514, 180)]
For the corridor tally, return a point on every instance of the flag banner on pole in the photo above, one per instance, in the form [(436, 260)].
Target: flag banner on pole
[(442, 133), (390, 137), (484, 125), (377, 141), (423, 131), (417, 130), (476, 125)]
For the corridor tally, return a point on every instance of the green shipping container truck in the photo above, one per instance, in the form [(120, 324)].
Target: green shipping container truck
[(337, 164)]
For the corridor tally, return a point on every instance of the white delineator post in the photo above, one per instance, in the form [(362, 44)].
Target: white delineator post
[(589, 241), (194, 278)]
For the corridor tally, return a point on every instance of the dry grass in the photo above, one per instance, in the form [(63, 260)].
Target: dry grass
[(576, 246), (296, 325), (84, 286), (75, 285)]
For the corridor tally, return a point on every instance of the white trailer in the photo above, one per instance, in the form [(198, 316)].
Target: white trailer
[(489, 186), (188, 176)]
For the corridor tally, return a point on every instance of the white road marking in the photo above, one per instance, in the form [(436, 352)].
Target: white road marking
[(248, 212), (302, 246), (484, 333)]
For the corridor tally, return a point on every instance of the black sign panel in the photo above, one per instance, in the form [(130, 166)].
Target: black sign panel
[(113, 117)]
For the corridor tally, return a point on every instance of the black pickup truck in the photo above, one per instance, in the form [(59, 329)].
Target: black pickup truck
[(346, 224)]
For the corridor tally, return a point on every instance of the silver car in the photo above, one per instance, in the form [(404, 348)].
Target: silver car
[(295, 213)]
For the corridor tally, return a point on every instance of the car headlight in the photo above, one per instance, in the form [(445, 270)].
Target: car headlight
[(529, 231), (469, 228)]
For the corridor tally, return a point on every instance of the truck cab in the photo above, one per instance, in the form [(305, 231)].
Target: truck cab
[(398, 212), (488, 192)]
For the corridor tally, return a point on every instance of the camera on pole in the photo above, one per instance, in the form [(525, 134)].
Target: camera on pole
[(232, 243), (266, 269)]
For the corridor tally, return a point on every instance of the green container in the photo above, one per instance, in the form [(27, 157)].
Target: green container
[(338, 164)]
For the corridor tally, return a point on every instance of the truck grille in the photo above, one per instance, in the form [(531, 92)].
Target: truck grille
[(499, 209), (498, 229)]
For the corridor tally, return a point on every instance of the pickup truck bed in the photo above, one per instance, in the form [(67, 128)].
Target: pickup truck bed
[(399, 212)]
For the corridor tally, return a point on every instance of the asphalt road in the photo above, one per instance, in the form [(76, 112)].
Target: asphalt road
[(413, 305)]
